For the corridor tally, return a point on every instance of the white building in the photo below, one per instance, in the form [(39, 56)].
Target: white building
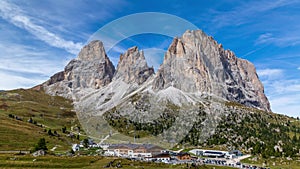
[(209, 153), (133, 150), (75, 147)]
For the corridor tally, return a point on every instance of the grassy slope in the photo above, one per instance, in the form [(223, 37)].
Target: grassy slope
[(276, 163), (52, 112), (87, 162)]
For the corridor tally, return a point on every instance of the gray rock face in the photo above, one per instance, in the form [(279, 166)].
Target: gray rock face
[(194, 84), (93, 51), (92, 69), (194, 63), (197, 63), (132, 67)]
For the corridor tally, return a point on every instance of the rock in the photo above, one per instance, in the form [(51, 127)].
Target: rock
[(91, 69), (56, 78), (194, 64), (93, 51), (132, 67), (197, 63), (39, 153)]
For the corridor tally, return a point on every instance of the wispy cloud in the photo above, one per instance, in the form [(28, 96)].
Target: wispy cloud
[(270, 73), (154, 57), (240, 15), (283, 40), (21, 58), (25, 66), (13, 14), (284, 96), (286, 104), (283, 93), (298, 68), (16, 81)]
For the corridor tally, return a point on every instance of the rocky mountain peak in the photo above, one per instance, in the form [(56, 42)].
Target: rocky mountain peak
[(193, 64), (196, 63), (132, 67), (93, 51), (91, 69)]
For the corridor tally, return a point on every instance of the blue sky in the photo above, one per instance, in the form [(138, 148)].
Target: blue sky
[(38, 38)]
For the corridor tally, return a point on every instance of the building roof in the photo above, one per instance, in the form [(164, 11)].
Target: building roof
[(163, 155), (183, 154), (235, 152), (148, 147)]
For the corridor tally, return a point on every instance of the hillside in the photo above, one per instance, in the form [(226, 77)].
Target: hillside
[(250, 130), (28, 115), (201, 95)]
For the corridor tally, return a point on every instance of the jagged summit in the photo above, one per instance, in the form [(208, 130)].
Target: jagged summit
[(197, 63), (193, 64), (132, 67), (91, 69), (93, 51)]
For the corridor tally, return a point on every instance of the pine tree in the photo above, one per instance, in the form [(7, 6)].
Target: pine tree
[(41, 145)]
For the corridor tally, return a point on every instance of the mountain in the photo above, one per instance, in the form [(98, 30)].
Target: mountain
[(201, 95), (194, 63), (138, 72), (197, 63), (92, 69)]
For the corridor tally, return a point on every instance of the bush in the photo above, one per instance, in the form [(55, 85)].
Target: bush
[(41, 145)]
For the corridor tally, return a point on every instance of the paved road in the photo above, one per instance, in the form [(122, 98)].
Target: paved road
[(14, 152)]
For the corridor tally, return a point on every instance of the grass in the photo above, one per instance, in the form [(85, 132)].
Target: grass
[(56, 112), (87, 162), (50, 112), (275, 163)]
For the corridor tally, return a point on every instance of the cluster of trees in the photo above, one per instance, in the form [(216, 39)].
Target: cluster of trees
[(263, 134), (124, 125), (50, 133), (15, 117), (41, 145)]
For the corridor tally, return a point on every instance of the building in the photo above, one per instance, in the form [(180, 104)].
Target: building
[(236, 152), (75, 147), (230, 156), (162, 157), (209, 153), (214, 153), (133, 150), (183, 156)]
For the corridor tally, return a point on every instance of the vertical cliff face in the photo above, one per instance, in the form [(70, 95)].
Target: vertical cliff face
[(197, 63), (91, 69), (132, 67), (191, 88), (194, 64)]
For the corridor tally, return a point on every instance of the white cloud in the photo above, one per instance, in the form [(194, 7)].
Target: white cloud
[(284, 86), (241, 14), (289, 39), (264, 38), (286, 104), (16, 16), (16, 81), (19, 58), (283, 93), (24, 66), (154, 57), (269, 73), (298, 68)]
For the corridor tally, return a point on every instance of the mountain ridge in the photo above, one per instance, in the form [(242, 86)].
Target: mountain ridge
[(193, 63), (139, 105)]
